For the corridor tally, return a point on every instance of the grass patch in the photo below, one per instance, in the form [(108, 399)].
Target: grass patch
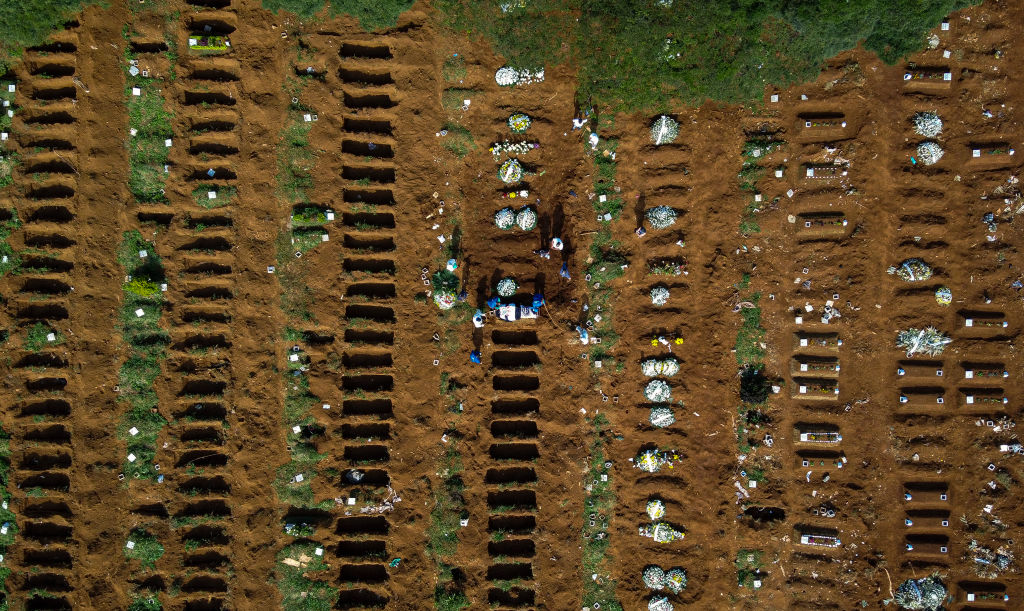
[(147, 149), (443, 531), (458, 141), (147, 550), (295, 159), (453, 69), (453, 98), (146, 603), (10, 261), (225, 194), (599, 499), (749, 563), (141, 424), (299, 591), (35, 337), (748, 340)]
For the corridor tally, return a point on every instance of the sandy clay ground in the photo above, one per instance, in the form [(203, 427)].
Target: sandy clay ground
[(865, 468)]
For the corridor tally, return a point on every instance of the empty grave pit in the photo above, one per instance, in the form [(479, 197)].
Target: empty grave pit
[(212, 148), (203, 434), (43, 264), (368, 383), (55, 117), (42, 311), (370, 477), (220, 24), (371, 290), (380, 314), (50, 558), (361, 549), (523, 429), (46, 407), (369, 243), (369, 336), (48, 240), (52, 68), (208, 98), (362, 525), (514, 524), (51, 214), (368, 221), (363, 573), (50, 191), (57, 482), (361, 598), (515, 548), (154, 46), (50, 582), (202, 388), (371, 173), (367, 407), (205, 583), (367, 453), (50, 166), (515, 407), (208, 268), (514, 359), (364, 77), (47, 532), (46, 384), (509, 571), (369, 266), (511, 475), (203, 125), (515, 383), (204, 604), (49, 94), (42, 461), (212, 293), (369, 101), (54, 434), (207, 507), (365, 360), (353, 50), (512, 597), (514, 451), (215, 485), (44, 508), (367, 126), (201, 458), (515, 338), (41, 359), (158, 218), (49, 142), (373, 197), (219, 173), (193, 315), (367, 149), (206, 560), (216, 243)]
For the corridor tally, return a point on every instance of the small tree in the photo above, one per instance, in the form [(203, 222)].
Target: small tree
[(754, 386)]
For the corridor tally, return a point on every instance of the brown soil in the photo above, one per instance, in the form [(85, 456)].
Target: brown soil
[(522, 432)]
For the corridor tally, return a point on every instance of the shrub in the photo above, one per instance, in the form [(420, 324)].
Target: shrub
[(142, 287), (754, 386)]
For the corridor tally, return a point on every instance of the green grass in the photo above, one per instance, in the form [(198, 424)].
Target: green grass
[(147, 343), (7, 226), (295, 160), (443, 531), (600, 499), (147, 549), (453, 98), (147, 152), (458, 141), (225, 195), (147, 603), (299, 591), (749, 563), (309, 216), (453, 69), (35, 337), (25, 23), (750, 335)]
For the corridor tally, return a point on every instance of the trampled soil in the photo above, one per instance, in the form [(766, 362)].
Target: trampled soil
[(522, 431)]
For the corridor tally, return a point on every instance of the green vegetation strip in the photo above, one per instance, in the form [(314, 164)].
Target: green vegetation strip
[(443, 532), (147, 148), (372, 16), (7, 159), (7, 519), (599, 500), (9, 260), (147, 343), (298, 571)]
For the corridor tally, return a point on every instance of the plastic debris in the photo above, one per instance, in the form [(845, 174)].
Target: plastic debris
[(658, 391), (661, 217), (665, 129), (988, 563), (929, 341)]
